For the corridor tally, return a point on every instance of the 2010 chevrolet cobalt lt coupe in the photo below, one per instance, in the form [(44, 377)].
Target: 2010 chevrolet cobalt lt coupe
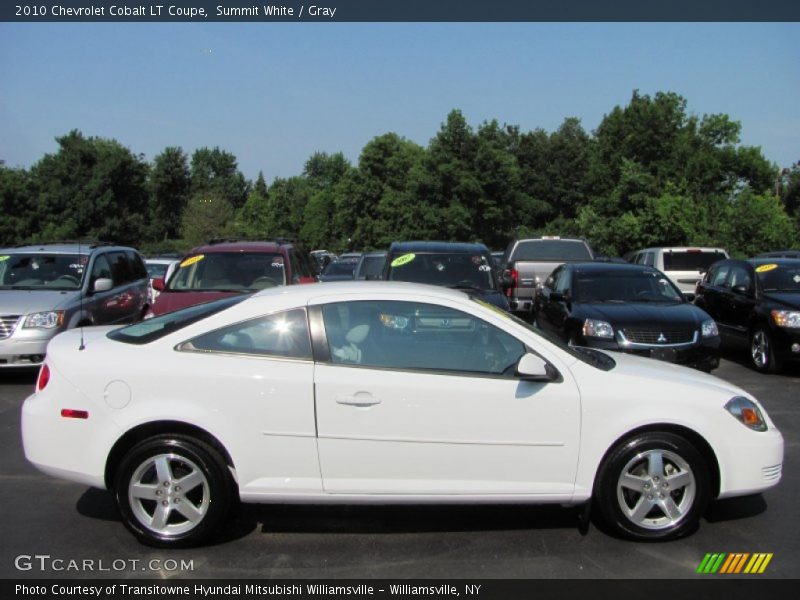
[(383, 392)]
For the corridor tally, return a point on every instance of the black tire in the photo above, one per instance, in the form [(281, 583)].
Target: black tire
[(208, 502), (762, 351), (617, 504)]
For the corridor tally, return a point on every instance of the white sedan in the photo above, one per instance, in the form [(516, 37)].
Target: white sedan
[(380, 392)]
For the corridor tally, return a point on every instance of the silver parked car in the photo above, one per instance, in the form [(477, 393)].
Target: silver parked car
[(48, 288)]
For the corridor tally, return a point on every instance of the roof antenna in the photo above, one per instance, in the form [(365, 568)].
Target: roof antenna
[(80, 295)]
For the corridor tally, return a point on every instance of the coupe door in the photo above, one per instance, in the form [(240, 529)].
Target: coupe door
[(421, 399)]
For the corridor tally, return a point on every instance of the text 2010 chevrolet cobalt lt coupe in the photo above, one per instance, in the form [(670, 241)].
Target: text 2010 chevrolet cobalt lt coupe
[(384, 392)]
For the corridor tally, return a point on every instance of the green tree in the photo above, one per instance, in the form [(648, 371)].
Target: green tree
[(214, 170), (207, 215), (16, 206), (756, 223), (169, 184), (91, 187)]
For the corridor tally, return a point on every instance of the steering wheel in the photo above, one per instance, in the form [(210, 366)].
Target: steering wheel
[(263, 282), (70, 278)]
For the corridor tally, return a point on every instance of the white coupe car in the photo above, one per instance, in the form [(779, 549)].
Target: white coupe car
[(383, 392)]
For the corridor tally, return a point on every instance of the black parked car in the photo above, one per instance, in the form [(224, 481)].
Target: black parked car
[(462, 266), (631, 308), (756, 303), (339, 270)]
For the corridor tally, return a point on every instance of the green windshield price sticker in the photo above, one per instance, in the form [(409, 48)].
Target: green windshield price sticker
[(403, 260), (3, 258)]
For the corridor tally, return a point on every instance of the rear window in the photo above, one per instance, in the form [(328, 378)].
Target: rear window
[(372, 267), (157, 327), (685, 260), (552, 250)]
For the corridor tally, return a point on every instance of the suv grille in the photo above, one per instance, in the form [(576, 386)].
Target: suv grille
[(651, 336), (7, 324)]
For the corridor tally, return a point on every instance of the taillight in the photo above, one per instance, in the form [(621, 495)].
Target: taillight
[(44, 377), (515, 282)]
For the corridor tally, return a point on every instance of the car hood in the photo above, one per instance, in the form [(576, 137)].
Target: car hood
[(644, 314), (787, 299), (655, 373), (169, 301), (23, 302)]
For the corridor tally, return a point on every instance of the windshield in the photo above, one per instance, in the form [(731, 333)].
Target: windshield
[(779, 278), (155, 270), (691, 260), (340, 267), (41, 271), (371, 267), (624, 286), (157, 327), (228, 271), (590, 356), (453, 270), (551, 250)]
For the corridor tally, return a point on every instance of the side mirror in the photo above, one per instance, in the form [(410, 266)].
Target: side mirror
[(159, 284), (103, 284), (534, 368), (742, 290)]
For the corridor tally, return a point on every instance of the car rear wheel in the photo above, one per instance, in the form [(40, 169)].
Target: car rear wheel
[(173, 491), (762, 352), (653, 487)]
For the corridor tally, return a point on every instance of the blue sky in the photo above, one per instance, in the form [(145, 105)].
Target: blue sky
[(273, 94)]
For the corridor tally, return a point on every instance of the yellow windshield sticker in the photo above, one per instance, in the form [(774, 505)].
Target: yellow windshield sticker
[(5, 257), (190, 261), (403, 260), (766, 268)]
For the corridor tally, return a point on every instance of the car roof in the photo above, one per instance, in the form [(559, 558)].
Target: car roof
[(239, 246), (789, 262), (604, 266), (65, 248), (444, 247), (336, 288)]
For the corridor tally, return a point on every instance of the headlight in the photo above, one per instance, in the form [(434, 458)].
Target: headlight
[(44, 320), (786, 318), (747, 413), (709, 329), (600, 329)]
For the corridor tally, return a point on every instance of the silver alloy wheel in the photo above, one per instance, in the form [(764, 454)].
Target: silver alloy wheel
[(759, 349), (169, 494), (656, 489)]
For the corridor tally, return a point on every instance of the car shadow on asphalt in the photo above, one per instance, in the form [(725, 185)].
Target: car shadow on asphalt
[(284, 518), (741, 358), (732, 509)]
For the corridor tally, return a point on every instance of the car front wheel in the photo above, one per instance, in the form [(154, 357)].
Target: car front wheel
[(653, 487), (173, 491)]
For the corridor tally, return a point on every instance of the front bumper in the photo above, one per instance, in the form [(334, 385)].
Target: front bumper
[(703, 355), (25, 352), (750, 462), (786, 344)]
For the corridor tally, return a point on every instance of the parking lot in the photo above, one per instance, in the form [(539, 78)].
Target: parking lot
[(69, 522)]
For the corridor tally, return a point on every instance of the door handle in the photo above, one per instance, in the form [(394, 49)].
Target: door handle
[(362, 401)]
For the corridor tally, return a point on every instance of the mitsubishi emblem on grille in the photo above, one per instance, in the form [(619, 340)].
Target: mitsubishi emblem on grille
[(661, 338)]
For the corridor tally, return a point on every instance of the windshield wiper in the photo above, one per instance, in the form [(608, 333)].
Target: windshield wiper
[(464, 286)]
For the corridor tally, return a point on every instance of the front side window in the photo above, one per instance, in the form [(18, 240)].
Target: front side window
[(283, 334), (41, 271), (417, 336)]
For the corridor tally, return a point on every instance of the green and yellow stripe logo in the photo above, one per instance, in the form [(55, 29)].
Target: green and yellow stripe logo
[(735, 562)]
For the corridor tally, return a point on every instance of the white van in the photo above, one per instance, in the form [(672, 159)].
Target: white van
[(685, 266)]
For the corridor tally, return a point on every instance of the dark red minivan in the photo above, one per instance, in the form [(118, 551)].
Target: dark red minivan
[(225, 268)]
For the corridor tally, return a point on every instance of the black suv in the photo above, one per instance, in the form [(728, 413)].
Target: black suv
[(756, 304)]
